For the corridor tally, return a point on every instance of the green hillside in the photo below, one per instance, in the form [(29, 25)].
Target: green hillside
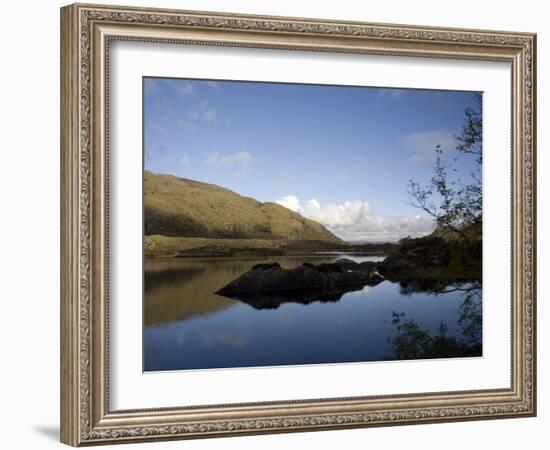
[(178, 207)]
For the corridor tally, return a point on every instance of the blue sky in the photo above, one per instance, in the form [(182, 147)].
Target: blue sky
[(340, 155)]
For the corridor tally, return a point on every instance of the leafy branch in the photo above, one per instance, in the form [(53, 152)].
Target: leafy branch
[(453, 204)]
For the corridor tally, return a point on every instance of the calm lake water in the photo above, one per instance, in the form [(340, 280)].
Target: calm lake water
[(187, 326)]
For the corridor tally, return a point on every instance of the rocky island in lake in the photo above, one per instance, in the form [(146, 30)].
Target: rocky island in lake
[(429, 263)]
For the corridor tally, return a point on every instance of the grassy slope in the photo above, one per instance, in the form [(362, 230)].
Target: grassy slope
[(181, 208), (158, 245)]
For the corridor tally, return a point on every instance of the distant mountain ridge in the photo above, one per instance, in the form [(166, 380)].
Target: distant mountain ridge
[(179, 207)]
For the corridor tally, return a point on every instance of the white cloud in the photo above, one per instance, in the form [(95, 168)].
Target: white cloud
[(213, 84), (185, 159), (242, 159), (336, 216), (184, 88), (290, 202), (209, 115), (355, 220), (205, 115), (423, 144), (200, 109)]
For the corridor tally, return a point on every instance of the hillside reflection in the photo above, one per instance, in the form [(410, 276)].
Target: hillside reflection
[(178, 289)]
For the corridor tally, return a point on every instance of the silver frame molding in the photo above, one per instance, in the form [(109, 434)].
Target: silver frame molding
[(86, 33)]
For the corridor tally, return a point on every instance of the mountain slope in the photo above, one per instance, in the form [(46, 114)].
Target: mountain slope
[(185, 208)]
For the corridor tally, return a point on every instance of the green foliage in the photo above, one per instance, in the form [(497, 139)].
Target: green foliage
[(409, 245), (456, 204), (431, 262)]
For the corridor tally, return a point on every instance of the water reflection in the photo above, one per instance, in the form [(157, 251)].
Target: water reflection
[(411, 341), (182, 291), (187, 326), (177, 289), (272, 300)]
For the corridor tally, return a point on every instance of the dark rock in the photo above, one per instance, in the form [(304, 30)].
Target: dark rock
[(367, 266), (329, 268), (272, 300), (265, 266), (273, 278), (346, 263)]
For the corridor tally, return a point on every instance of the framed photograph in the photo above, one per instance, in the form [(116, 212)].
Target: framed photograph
[(275, 224)]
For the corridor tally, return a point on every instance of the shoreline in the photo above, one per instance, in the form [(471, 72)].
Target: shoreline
[(428, 260), (158, 246)]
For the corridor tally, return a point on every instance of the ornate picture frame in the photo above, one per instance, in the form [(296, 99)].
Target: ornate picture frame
[(87, 31)]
